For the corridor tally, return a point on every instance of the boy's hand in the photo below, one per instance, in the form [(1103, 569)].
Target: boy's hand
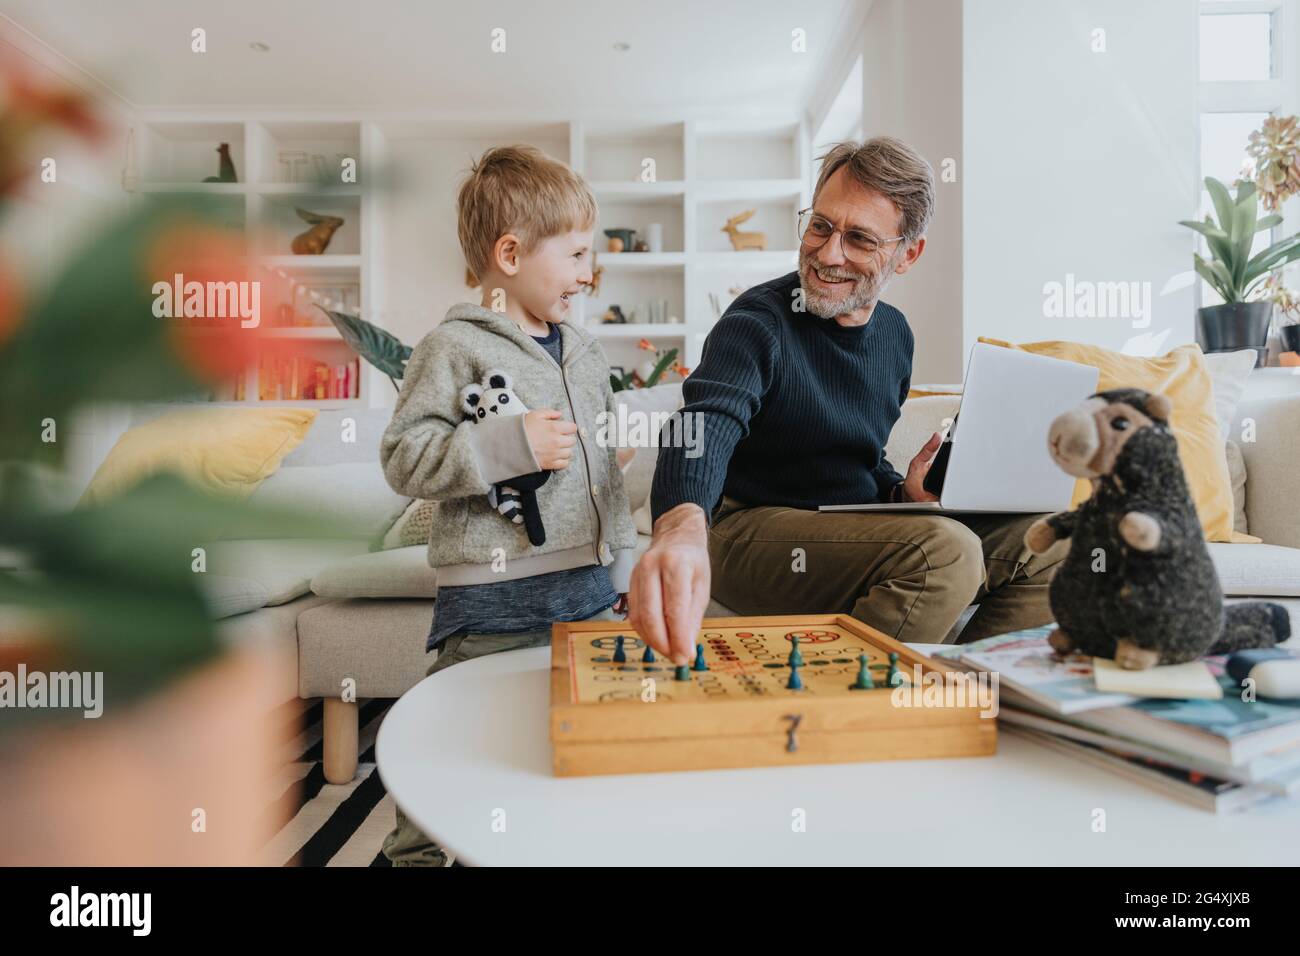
[(551, 438)]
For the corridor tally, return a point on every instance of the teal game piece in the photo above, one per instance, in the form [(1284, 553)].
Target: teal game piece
[(699, 664), (682, 673), (893, 678), (649, 656), (794, 683), (795, 659), (864, 681), (619, 656)]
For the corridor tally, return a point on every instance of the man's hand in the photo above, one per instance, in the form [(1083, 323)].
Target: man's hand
[(550, 437), (670, 584), (913, 484)]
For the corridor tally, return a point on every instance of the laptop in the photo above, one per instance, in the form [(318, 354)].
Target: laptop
[(998, 461)]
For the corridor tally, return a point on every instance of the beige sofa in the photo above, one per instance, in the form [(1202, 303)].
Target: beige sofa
[(358, 624)]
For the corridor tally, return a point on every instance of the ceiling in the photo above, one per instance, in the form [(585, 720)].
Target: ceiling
[(435, 55)]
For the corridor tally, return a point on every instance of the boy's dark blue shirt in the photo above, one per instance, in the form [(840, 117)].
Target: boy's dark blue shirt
[(795, 409)]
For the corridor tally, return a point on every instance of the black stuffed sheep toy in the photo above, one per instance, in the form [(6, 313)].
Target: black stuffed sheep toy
[(1138, 585)]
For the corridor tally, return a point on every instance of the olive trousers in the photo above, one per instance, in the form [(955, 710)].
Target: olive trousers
[(908, 575)]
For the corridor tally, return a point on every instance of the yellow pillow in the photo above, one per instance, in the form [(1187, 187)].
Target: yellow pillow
[(1182, 376), (225, 451)]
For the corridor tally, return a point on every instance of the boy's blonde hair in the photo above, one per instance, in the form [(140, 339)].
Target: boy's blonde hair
[(519, 189)]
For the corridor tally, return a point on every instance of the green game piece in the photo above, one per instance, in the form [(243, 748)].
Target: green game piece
[(699, 664), (795, 659), (649, 656), (619, 656), (683, 673), (864, 681), (794, 683), (893, 678)]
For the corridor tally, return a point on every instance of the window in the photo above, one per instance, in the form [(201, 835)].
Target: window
[(1249, 69)]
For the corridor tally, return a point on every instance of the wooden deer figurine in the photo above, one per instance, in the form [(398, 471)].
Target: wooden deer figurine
[(314, 241), (744, 240)]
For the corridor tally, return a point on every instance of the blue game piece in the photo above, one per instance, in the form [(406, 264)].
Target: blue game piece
[(864, 681), (893, 678), (682, 673), (794, 683), (699, 664), (619, 656), (795, 659), (649, 656)]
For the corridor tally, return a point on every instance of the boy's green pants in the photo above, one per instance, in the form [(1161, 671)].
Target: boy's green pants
[(406, 845)]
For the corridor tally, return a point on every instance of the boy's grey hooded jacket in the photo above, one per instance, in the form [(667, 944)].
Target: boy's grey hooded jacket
[(431, 450)]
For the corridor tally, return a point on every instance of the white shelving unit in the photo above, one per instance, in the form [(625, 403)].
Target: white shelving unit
[(704, 172), (688, 175), (175, 152)]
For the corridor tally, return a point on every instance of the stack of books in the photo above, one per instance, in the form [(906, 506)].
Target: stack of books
[(299, 378), (1221, 755)]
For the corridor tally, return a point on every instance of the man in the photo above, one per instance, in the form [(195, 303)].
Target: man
[(797, 390)]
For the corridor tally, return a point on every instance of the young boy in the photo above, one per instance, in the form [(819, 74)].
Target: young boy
[(525, 225)]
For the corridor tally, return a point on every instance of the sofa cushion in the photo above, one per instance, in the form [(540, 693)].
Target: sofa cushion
[(377, 644), (282, 567), (227, 595), (412, 526), (342, 435), (399, 573), (640, 471), (1237, 475), (354, 494), (1257, 569), (1183, 377), (919, 419), (1229, 372), (225, 451)]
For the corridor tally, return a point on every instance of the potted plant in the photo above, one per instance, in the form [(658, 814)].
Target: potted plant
[(1242, 321), (1286, 305)]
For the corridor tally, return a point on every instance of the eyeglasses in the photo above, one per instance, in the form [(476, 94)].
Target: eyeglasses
[(858, 246)]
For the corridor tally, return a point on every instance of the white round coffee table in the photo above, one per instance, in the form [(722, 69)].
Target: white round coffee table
[(466, 754)]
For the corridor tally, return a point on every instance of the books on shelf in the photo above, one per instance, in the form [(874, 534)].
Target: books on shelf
[(1222, 754), (302, 378)]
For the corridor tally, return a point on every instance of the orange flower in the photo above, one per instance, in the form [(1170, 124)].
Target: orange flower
[(213, 347), (10, 302), (645, 344)]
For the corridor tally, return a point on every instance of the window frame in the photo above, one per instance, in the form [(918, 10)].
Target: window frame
[(1279, 96)]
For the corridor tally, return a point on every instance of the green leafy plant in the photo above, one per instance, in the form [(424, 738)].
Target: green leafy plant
[(379, 347), (1231, 270), (109, 587), (664, 360)]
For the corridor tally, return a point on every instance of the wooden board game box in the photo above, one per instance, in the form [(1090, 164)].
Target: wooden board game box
[(762, 691)]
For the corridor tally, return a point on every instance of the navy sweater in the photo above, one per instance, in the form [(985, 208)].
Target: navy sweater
[(795, 410)]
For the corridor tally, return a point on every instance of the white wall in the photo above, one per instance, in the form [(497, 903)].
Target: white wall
[(424, 268), (911, 54), (1077, 162)]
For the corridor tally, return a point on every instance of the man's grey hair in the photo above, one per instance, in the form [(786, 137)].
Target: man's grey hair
[(892, 168)]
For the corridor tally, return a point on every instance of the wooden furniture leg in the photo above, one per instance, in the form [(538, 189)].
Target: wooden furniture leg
[(339, 743)]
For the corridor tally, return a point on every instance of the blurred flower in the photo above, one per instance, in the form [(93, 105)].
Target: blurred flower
[(10, 301), (212, 347), (645, 344), (27, 110), (1275, 149)]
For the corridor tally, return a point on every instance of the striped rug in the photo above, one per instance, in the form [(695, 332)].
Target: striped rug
[(329, 824)]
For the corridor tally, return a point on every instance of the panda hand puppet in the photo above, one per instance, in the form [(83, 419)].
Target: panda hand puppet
[(516, 498)]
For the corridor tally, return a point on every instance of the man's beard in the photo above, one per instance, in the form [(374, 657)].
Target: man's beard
[(864, 292)]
